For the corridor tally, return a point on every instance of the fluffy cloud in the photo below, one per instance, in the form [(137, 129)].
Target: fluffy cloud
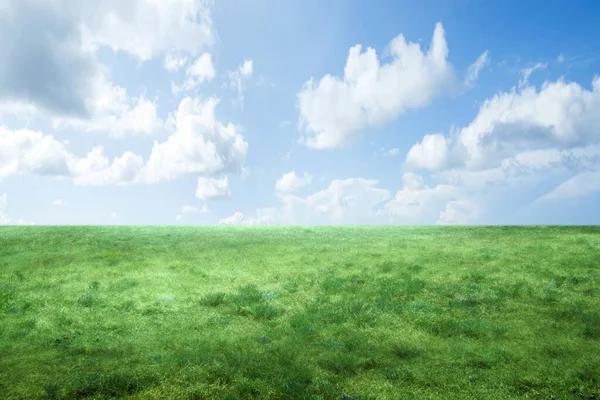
[(290, 182), (30, 152), (239, 219), (418, 203), (335, 110), (95, 169), (200, 145), (198, 72), (211, 188), (112, 111), (147, 28), (26, 151), (59, 202), (431, 153), (459, 212), (344, 201), (174, 62), (560, 114), (62, 36)]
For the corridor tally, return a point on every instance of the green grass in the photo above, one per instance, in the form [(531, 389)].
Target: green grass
[(300, 313)]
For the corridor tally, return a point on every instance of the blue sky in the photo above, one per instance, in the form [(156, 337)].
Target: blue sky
[(299, 112)]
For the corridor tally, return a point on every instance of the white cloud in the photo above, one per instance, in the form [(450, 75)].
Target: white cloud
[(95, 169), (178, 217), (29, 152), (432, 152), (290, 182), (334, 111), (559, 115), (24, 151), (347, 201), (237, 78), (73, 85), (560, 58), (239, 219), (211, 188), (246, 68), (459, 212), (418, 203), (198, 72), (112, 111), (59, 202), (174, 62), (147, 28), (200, 145), (475, 69)]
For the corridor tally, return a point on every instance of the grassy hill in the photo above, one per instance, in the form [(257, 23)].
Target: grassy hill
[(299, 313)]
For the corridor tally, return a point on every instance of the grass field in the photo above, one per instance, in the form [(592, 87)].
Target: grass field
[(300, 313)]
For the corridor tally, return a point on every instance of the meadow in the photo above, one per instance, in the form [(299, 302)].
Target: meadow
[(300, 312)]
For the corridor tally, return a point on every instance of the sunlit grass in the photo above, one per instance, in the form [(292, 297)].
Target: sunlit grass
[(299, 313)]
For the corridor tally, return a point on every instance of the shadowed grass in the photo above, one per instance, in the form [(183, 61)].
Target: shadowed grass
[(299, 313)]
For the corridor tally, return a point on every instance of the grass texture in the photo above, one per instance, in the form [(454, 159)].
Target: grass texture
[(299, 313)]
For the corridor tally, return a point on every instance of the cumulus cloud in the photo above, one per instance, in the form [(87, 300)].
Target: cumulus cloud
[(417, 202), (290, 182), (334, 110), (198, 72), (112, 111), (459, 212), (559, 115), (200, 145), (240, 219), (174, 62), (24, 151), (147, 28), (63, 36), (59, 202), (211, 188), (430, 153), (344, 201), (475, 69)]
